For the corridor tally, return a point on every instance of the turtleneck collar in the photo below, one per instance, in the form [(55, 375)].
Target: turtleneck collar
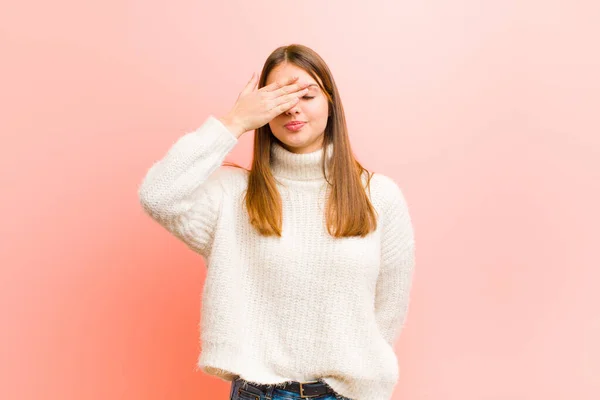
[(302, 167)]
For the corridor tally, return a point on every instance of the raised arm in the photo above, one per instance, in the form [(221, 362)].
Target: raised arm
[(183, 191)]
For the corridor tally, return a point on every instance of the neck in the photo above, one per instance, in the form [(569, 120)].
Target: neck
[(295, 166)]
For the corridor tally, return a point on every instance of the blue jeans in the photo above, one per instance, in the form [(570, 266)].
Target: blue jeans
[(242, 390)]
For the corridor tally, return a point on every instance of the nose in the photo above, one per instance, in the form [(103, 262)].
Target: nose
[(293, 110)]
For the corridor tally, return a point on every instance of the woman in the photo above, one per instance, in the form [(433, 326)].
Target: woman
[(309, 256)]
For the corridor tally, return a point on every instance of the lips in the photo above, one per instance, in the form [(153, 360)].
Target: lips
[(294, 124)]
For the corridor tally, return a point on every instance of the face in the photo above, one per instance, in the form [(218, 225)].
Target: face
[(312, 109)]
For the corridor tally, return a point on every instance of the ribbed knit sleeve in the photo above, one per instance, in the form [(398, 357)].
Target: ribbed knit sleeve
[(397, 265), (183, 191)]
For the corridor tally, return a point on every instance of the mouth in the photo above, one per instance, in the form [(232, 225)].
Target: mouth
[(294, 124)]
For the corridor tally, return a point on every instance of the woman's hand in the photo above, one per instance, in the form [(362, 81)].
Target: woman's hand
[(255, 108)]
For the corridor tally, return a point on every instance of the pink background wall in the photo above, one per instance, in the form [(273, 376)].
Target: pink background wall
[(486, 113)]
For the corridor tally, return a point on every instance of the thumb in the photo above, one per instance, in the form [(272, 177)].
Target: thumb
[(250, 85)]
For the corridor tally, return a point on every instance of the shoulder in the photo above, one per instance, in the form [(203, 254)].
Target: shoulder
[(392, 208), (228, 178), (226, 173), (385, 191)]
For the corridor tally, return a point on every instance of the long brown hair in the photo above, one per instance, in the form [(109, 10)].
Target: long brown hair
[(349, 210)]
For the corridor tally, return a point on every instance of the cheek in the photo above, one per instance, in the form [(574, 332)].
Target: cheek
[(317, 108)]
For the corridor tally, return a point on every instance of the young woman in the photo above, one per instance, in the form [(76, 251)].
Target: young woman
[(309, 256)]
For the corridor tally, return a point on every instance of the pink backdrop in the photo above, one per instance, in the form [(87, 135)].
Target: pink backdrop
[(486, 113)]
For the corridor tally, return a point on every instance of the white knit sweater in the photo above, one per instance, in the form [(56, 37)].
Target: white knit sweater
[(299, 307)]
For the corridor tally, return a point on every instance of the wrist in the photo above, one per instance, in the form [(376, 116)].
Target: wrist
[(232, 125)]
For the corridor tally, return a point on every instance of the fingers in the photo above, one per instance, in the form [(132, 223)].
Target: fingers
[(292, 96), (280, 109), (288, 100), (279, 84), (250, 85), (289, 89)]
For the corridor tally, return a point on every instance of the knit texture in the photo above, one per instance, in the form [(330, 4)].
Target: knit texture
[(299, 307)]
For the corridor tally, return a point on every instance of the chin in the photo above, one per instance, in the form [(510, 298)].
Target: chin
[(296, 140)]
